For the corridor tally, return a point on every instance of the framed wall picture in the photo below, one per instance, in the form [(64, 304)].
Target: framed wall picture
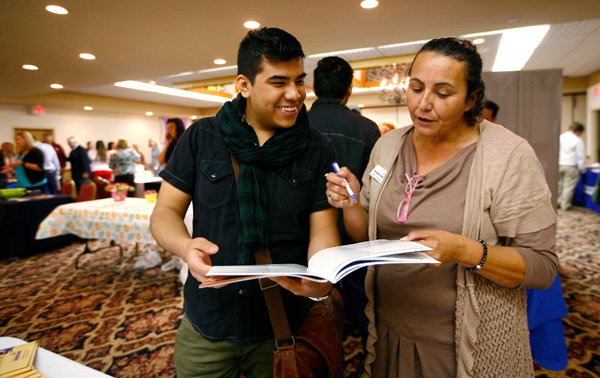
[(38, 134)]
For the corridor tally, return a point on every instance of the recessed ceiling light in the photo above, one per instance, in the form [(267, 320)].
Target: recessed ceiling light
[(369, 4), (478, 41), (149, 114), (194, 117), (251, 24), (219, 61), (30, 67), (56, 86), (56, 9), (152, 82), (87, 56), (516, 46), (88, 108), (361, 105)]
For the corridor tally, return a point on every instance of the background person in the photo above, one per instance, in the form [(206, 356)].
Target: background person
[(278, 199), (155, 150), (51, 166), (474, 192), (123, 162), (29, 165), (81, 170), (60, 152), (353, 137), (490, 110), (8, 151), (571, 163), (175, 129)]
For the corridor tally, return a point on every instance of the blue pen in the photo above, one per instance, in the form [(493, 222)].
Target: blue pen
[(336, 169)]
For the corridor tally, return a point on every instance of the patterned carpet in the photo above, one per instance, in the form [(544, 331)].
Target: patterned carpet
[(122, 321)]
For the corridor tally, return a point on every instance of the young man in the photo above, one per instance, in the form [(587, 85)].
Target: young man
[(277, 201)]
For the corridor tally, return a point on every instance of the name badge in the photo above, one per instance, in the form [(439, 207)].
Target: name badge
[(378, 173)]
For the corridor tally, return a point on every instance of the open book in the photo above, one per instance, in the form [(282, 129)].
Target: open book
[(330, 264)]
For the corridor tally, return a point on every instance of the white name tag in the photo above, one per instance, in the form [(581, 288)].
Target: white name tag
[(378, 173)]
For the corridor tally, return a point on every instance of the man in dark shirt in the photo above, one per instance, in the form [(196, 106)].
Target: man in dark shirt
[(80, 163), (277, 201), (353, 138)]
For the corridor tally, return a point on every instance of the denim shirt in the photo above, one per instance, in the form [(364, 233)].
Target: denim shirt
[(201, 167)]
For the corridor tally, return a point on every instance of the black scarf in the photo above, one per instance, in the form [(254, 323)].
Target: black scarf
[(279, 152)]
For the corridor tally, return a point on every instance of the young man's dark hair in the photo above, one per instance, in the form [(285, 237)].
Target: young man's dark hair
[(273, 44), (492, 106), (332, 78)]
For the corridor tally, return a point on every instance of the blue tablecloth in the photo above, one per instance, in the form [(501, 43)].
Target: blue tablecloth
[(545, 310), (584, 191)]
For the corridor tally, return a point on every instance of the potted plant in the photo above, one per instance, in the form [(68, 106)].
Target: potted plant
[(119, 190)]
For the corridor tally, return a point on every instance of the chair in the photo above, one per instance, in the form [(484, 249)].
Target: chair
[(101, 187), (107, 175), (87, 192), (68, 189)]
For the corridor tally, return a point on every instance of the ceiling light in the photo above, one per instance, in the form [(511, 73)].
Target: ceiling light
[(194, 117), (361, 105), (478, 41), (341, 52), (56, 9), (152, 82), (216, 69), (219, 61), (87, 56), (56, 86), (88, 108), (140, 86), (251, 24), (516, 47), (30, 67), (149, 114), (369, 4)]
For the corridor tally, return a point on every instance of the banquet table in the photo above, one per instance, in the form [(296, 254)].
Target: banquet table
[(19, 220), (146, 181), (53, 365), (107, 219)]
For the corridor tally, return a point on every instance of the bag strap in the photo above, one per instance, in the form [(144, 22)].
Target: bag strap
[(270, 289)]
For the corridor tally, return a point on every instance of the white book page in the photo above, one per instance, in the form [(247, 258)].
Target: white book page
[(328, 262)]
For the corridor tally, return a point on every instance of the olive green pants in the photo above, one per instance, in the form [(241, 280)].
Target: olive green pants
[(196, 356)]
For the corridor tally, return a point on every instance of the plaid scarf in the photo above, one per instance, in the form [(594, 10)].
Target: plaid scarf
[(279, 152)]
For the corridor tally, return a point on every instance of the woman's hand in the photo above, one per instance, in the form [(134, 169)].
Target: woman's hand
[(447, 247), (336, 191)]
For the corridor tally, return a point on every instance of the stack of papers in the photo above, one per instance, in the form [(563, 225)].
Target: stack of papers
[(17, 361)]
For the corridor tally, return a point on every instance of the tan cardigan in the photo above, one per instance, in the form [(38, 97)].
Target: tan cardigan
[(506, 195)]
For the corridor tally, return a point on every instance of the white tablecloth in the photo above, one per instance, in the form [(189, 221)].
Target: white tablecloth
[(53, 365)]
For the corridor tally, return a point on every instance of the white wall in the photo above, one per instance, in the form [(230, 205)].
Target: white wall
[(592, 126), (83, 125), (397, 115)]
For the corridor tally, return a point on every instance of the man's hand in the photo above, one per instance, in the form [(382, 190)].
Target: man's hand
[(304, 287), (197, 255)]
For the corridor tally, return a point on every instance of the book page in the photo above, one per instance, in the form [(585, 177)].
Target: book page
[(329, 262)]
